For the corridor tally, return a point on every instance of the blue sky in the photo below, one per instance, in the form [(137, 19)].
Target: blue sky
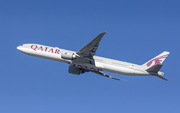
[(136, 32)]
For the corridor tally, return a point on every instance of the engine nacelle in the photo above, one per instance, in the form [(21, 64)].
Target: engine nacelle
[(68, 55), (75, 70)]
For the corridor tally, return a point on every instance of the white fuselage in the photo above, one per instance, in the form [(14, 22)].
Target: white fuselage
[(101, 63)]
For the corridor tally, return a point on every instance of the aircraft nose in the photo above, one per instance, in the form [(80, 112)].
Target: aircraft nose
[(18, 48)]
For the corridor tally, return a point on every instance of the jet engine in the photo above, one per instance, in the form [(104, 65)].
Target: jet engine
[(68, 55), (75, 70)]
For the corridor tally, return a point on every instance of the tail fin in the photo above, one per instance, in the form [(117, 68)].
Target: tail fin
[(154, 65), (156, 60)]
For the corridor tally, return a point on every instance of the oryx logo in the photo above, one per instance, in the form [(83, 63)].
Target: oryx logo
[(157, 60)]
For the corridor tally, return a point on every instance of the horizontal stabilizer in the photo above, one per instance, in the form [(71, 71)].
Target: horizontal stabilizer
[(154, 71), (161, 77), (155, 68)]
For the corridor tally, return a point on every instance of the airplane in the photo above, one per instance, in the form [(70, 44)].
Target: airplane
[(85, 60)]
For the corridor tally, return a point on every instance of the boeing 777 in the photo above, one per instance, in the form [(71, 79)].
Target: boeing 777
[(85, 60)]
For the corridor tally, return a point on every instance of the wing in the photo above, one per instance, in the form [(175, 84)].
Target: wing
[(105, 75), (90, 49), (87, 52)]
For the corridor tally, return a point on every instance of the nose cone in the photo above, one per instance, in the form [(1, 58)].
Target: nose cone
[(19, 48), (23, 49)]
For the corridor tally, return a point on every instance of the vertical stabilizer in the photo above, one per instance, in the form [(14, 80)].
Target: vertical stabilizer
[(156, 60)]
